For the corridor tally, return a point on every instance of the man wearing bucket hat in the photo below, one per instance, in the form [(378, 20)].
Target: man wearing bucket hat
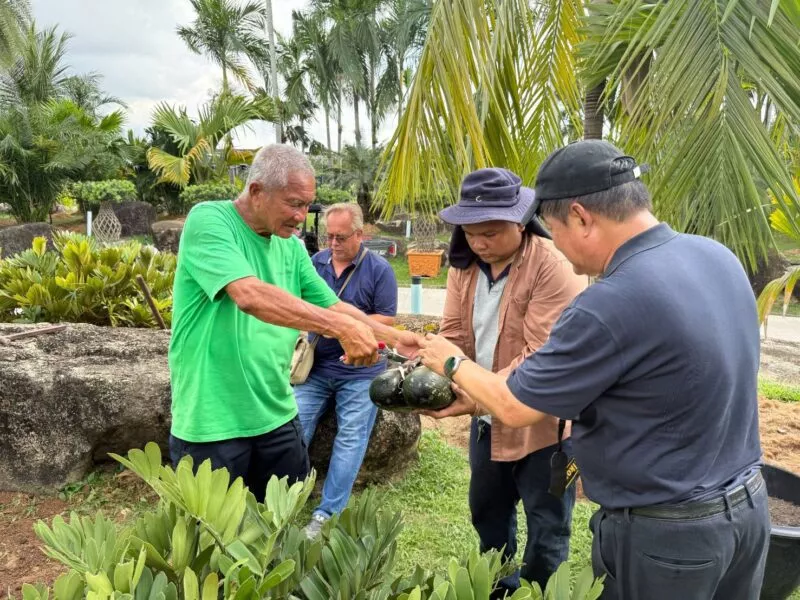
[(656, 364), (506, 287)]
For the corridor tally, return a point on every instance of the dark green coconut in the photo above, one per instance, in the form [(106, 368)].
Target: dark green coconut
[(424, 389), (386, 391)]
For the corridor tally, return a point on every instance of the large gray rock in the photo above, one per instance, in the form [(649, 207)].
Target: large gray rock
[(17, 238), (68, 399), (135, 217), (167, 235)]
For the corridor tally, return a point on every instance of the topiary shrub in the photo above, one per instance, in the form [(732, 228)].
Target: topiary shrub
[(327, 194), (89, 194), (204, 192)]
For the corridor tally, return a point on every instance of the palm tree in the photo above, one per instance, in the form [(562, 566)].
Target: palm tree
[(358, 170), (349, 33), (494, 78), (199, 159), (38, 73), (228, 33), (15, 16), (44, 145), (404, 31), (312, 38), (85, 92)]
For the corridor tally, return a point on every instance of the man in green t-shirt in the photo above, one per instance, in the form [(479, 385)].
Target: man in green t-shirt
[(243, 289)]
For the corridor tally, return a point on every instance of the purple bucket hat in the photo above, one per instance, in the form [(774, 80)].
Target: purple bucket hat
[(492, 194)]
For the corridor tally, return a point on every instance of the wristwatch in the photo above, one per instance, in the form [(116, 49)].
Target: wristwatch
[(451, 365)]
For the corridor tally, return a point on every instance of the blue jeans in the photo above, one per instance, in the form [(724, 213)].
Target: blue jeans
[(495, 490), (355, 416)]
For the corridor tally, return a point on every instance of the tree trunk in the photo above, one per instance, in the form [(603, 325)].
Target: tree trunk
[(358, 121), (339, 124), (373, 106), (224, 79), (593, 113), (273, 65), (328, 126), (364, 199)]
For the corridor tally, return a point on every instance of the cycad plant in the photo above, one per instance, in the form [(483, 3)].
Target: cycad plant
[(209, 539)]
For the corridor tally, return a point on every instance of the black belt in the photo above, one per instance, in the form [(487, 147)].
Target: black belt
[(705, 508)]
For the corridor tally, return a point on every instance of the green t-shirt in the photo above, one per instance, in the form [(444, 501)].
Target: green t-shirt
[(229, 370)]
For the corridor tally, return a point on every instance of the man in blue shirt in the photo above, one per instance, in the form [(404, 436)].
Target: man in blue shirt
[(373, 289), (656, 364)]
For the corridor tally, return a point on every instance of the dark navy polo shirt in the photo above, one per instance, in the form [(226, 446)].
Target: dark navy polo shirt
[(373, 290), (657, 365)]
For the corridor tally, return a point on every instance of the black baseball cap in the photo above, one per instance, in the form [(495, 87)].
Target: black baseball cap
[(585, 167)]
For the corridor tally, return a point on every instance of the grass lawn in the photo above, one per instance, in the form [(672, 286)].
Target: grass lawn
[(400, 268), (778, 391)]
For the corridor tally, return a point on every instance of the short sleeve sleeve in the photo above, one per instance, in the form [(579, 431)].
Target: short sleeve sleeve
[(385, 291), (209, 253), (579, 362)]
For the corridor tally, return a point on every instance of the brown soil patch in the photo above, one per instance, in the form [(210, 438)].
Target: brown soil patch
[(21, 557), (22, 560), (784, 513), (780, 433)]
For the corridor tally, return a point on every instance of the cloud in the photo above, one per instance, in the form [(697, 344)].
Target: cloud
[(133, 44)]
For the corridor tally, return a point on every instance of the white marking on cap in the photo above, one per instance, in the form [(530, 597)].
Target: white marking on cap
[(637, 172)]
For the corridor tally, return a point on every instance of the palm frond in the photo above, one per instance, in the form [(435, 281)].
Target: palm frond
[(488, 90), (171, 169), (692, 119)]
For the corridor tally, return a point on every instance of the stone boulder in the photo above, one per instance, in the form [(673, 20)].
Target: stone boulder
[(167, 235), (392, 446), (17, 238), (68, 399), (135, 217)]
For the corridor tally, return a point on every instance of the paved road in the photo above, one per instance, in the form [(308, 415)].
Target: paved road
[(786, 329)]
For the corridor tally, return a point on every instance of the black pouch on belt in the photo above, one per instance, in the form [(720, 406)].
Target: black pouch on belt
[(563, 470)]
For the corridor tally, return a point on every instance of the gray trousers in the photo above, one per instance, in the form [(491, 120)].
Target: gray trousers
[(717, 557)]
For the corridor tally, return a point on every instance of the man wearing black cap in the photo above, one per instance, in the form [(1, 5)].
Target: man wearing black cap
[(506, 287), (656, 364)]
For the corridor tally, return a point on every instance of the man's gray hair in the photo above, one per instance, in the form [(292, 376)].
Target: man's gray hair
[(273, 164), (353, 209), (617, 203)]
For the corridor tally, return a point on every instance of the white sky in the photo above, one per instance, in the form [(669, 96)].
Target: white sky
[(133, 44)]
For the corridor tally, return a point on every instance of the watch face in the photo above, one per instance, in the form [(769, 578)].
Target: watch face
[(449, 365)]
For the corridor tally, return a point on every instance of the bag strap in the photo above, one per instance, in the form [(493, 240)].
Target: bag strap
[(344, 285), (350, 275)]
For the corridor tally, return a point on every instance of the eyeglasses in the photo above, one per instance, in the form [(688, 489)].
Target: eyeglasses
[(339, 238)]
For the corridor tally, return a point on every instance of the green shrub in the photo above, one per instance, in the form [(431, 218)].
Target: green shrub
[(327, 194), (203, 192), (209, 539), (90, 194), (81, 282)]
